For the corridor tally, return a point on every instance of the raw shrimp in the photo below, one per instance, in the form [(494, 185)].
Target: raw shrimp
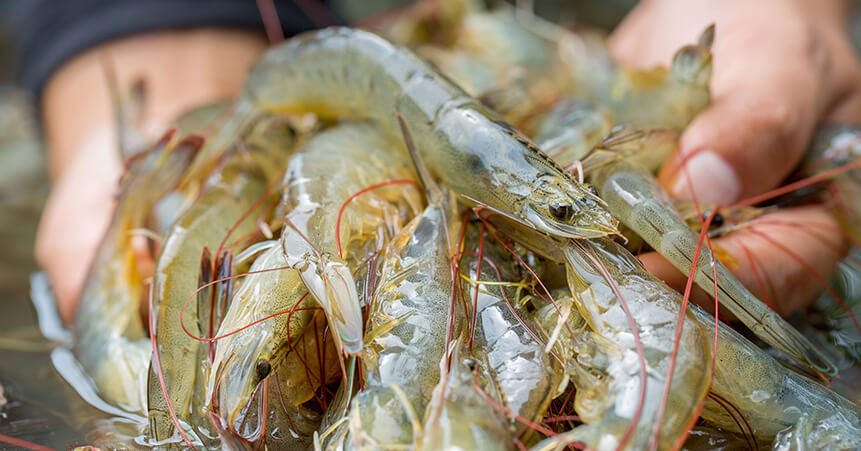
[(459, 417), (634, 197), (773, 398), (502, 61), (640, 203), (291, 424), (228, 195), (833, 145), (110, 340), (661, 97), (836, 145), (407, 329), (612, 292), (525, 377), (244, 359), (323, 242), (341, 72)]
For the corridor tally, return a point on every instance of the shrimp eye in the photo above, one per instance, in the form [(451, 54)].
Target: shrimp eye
[(263, 369), (717, 221), (593, 190), (470, 364), (561, 211)]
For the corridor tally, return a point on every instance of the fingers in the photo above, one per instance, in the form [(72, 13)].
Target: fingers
[(766, 103), (779, 69), (783, 258)]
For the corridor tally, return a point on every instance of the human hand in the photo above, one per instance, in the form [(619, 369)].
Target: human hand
[(181, 69), (780, 68)]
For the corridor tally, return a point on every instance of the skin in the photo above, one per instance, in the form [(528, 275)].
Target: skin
[(780, 67), (181, 69)]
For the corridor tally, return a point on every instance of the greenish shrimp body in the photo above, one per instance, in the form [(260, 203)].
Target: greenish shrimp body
[(347, 73)]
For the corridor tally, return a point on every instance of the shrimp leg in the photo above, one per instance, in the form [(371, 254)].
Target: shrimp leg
[(328, 231)]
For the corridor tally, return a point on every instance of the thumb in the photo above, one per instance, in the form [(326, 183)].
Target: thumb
[(744, 144)]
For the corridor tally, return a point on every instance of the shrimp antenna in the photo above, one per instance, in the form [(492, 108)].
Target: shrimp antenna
[(433, 190)]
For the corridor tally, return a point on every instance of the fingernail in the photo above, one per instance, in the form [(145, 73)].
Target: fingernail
[(714, 180)]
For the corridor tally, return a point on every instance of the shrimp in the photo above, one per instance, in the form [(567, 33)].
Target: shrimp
[(340, 72), (459, 417), (833, 146), (323, 176), (634, 197), (407, 328), (110, 341), (613, 293), (658, 98), (525, 377), (502, 61), (771, 397), (246, 358), (776, 401), (226, 197), (571, 129), (291, 424), (641, 204)]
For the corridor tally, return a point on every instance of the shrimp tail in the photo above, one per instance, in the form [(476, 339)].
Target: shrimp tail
[(344, 311), (246, 114), (329, 280), (692, 64)]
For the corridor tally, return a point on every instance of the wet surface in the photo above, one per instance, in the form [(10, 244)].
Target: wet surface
[(38, 406)]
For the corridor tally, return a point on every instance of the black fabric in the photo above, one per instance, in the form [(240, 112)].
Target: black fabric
[(49, 32)]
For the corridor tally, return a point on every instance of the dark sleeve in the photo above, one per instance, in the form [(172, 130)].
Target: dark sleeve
[(46, 33)]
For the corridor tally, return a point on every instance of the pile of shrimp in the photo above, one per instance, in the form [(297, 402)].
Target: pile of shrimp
[(421, 237)]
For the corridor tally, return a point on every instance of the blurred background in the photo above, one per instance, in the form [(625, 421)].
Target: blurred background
[(36, 404)]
